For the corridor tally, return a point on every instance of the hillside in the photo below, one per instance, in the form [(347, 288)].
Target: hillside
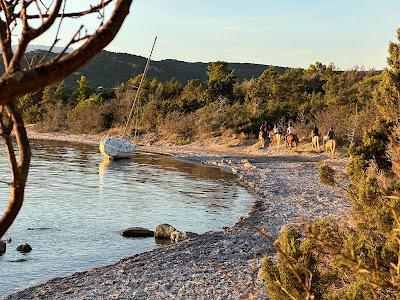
[(108, 69), (32, 48)]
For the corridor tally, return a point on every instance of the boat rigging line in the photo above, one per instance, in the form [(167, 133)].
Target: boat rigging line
[(136, 99)]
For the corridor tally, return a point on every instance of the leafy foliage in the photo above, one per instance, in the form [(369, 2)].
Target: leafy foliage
[(387, 96), (82, 92), (31, 106), (327, 174), (220, 81)]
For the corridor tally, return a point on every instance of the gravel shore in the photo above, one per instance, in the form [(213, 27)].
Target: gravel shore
[(216, 265)]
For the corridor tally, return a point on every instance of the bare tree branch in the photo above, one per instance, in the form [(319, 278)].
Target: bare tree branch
[(93, 9), (56, 39), (19, 170), (29, 34), (51, 72)]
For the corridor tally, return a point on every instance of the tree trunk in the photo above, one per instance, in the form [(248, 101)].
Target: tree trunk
[(19, 168)]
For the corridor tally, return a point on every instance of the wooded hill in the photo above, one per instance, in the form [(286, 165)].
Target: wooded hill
[(110, 69)]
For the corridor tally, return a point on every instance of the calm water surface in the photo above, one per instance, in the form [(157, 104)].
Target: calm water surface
[(76, 204)]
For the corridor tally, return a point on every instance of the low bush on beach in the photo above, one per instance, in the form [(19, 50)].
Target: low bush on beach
[(179, 129), (90, 117), (56, 116), (327, 174)]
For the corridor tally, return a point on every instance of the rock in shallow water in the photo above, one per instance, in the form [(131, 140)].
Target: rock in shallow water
[(3, 247), (24, 248), (38, 228), (135, 232), (8, 240), (164, 231)]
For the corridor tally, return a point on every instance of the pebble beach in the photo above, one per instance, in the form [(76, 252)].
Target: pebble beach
[(220, 264)]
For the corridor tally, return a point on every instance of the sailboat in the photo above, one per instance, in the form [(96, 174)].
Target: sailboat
[(120, 147)]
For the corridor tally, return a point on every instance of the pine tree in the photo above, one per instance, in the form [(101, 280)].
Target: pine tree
[(387, 97), (221, 79), (83, 91)]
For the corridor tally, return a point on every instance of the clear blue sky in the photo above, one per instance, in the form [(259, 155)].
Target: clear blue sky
[(286, 32)]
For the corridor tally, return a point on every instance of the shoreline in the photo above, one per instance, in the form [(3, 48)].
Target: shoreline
[(287, 191)]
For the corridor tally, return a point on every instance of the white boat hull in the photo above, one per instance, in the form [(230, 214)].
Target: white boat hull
[(115, 148)]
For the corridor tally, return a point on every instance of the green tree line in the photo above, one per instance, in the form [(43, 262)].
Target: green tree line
[(223, 104)]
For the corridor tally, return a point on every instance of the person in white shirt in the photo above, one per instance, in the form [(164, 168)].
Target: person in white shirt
[(290, 130), (276, 129)]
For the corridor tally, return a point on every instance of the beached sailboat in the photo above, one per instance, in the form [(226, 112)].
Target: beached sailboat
[(114, 147), (120, 147)]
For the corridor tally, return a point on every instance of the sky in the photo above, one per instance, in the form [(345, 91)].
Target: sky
[(289, 33)]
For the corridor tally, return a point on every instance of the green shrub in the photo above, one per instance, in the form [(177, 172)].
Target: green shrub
[(326, 174), (90, 117), (288, 276)]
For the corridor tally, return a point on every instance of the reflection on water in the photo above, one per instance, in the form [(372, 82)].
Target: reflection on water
[(76, 203)]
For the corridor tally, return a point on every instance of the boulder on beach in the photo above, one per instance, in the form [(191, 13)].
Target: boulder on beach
[(179, 236), (24, 248), (135, 232), (164, 231), (3, 247)]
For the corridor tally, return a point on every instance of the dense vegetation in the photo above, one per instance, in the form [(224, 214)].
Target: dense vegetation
[(222, 104), (356, 258)]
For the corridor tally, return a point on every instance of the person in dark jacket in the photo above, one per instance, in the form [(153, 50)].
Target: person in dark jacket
[(315, 131), (331, 134)]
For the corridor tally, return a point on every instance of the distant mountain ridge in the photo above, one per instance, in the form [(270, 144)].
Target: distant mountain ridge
[(109, 69), (55, 49)]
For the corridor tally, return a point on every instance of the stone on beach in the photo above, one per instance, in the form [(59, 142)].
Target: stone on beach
[(179, 236), (24, 248), (135, 232), (164, 231), (3, 247), (248, 166)]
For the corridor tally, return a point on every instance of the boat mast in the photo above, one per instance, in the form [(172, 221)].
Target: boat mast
[(139, 89)]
